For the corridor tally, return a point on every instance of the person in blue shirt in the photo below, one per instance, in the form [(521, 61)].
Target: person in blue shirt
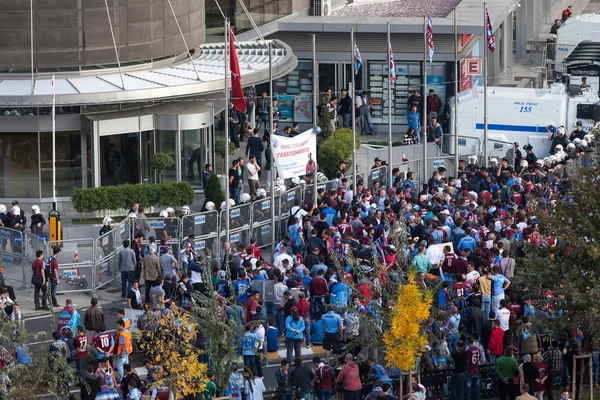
[(330, 212), (378, 373), (340, 295), (249, 345), (499, 284), (23, 356), (315, 269), (294, 334), (317, 331), (414, 121), (467, 241), (458, 232), (272, 336), (332, 326), (242, 288)]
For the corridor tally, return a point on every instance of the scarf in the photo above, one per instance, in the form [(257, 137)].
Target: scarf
[(137, 296)]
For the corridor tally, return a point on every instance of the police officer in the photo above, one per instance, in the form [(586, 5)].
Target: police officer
[(578, 133), (514, 154), (530, 157), (276, 114), (234, 125)]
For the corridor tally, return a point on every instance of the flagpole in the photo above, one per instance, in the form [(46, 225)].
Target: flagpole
[(54, 143), (314, 111), (352, 91), (226, 116), (424, 116), (389, 101), (455, 97), (273, 239), (485, 84)]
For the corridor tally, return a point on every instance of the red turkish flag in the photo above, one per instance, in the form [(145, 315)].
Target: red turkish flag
[(236, 78)]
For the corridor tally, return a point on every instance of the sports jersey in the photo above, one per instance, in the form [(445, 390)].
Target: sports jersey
[(344, 228), (516, 312), (80, 343), (473, 356), (447, 264), (103, 341)]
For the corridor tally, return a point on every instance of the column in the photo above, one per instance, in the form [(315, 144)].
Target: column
[(508, 42), (522, 31)]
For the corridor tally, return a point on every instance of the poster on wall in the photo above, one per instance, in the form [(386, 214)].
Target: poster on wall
[(286, 107), (438, 84), (303, 107), (295, 156)]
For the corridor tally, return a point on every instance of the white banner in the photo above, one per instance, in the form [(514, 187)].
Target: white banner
[(295, 156)]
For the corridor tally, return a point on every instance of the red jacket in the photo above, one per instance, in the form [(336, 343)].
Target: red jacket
[(495, 346), (303, 307)]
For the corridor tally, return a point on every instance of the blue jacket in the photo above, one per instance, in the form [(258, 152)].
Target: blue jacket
[(291, 325)]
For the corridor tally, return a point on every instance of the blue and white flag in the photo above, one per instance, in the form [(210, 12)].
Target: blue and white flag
[(357, 59)]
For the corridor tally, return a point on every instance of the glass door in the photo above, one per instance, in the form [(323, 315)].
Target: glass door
[(120, 159)]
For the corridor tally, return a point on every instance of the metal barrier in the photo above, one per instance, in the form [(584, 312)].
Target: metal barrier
[(107, 247), (33, 244), (12, 250), (261, 221), (240, 220), (76, 264), (167, 228), (287, 200), (205, 228)]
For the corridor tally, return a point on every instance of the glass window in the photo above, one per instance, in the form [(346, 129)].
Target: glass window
[(194, 155), (69, 171), (165, 143), (294, 94), (120, 159), (147, 138), (19, 168)]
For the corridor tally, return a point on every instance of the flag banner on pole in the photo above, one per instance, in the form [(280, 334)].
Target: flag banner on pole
[(430, 46), (390, 59), (295, 156), (357, 59), (236, 78), (490, 32)]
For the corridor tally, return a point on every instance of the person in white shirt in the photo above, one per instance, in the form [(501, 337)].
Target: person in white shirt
[(283, 255), (436, 257), (503, 316), (253, 169), (253, 387), (472, 274)]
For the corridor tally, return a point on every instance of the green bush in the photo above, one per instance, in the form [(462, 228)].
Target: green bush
[(115, 197), (161, 161), (220, 151), (325, 125), (213, 192), (336, 148)]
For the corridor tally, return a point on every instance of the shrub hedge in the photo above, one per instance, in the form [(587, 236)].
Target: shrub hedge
[(121, 196), (336, 148)]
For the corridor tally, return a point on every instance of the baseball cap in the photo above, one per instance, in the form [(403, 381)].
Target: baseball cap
[(15, 202), (377, 159), (516, 144)]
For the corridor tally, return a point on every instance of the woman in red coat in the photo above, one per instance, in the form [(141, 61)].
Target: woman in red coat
[(495, 346)]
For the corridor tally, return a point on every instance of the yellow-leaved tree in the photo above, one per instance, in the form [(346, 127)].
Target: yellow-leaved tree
[(174, 356), (405, 339)]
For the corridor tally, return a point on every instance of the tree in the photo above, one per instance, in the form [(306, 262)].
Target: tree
[(570, 268), (406, 339), (220, 151), (213, 191), (334, 149), (325, 123), (172, 349), (161, 161)]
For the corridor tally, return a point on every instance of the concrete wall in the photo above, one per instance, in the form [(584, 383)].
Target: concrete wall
[(71, 33)]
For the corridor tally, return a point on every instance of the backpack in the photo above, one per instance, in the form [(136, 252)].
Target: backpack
[(48, 267), (290, 221), (320, 111)]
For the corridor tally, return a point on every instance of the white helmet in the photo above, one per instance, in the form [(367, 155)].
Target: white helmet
[(588, 137), (163, 214), (261, 192), (131, 215), (577, 141), (2, 209), (559, 147), (231, 202), (539, 161), (278, 190), (584, 144), (472, 159), (185, 210), (223, 205), (15, 210), (553, 158), (170, 210), (295, 180), (210, 206), (107, 220), (547, 160), (571, 146), (524, 163), (279, 182), (35, 209), (245, 197), (494, 161), (302, 182)]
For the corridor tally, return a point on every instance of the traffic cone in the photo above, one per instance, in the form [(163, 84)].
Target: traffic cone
[(76, 257)]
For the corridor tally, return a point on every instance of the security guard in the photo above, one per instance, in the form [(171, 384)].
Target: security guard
[(530, 157)]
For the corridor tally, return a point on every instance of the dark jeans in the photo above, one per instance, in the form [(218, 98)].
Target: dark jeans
[(36, 295), (249, 362), (53, 286), (293, 346), (286, 396), (258, 365), (323, 394), (457, 387), (80, 371), (506, 389), (138, 271), (232, 193), (126, 282), (472, 381), (149, 285), (352, 394)]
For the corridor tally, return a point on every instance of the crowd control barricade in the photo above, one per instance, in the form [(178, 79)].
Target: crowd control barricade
[(166, 228), (261, 221), (205, 228), (12, 251), (240, 222), (33, 243), (287, 200), (76, 264), (107, 247)]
